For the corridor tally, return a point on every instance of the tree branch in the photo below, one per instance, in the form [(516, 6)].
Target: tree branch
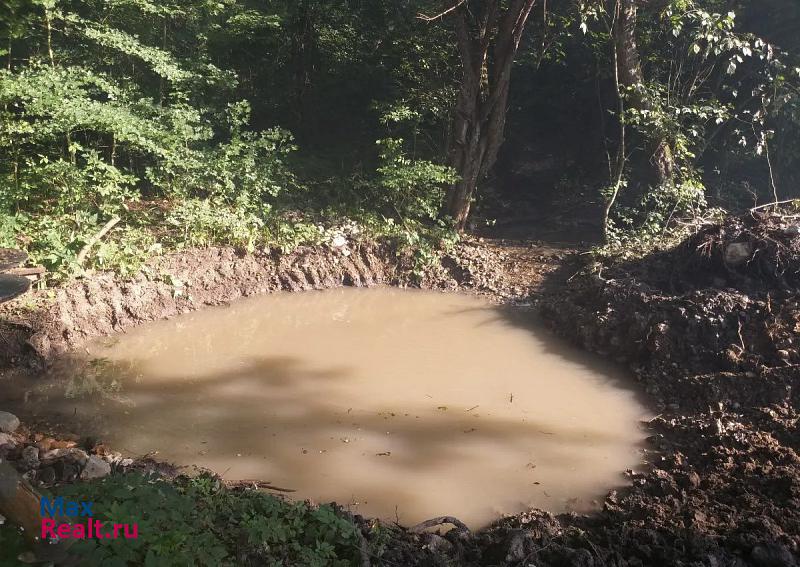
[(96, 238), (425, 18)]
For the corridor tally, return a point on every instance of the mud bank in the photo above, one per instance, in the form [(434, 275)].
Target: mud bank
[(44, 324), (713, 340)]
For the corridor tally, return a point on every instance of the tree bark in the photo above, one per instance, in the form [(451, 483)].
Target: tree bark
[(303, 49), (631, 78), (488, 37)]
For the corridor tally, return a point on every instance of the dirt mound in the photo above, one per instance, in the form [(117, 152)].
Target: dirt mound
[(711, 330), (753, 252)]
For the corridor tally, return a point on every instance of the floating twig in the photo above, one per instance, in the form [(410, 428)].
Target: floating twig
[(259, 484)]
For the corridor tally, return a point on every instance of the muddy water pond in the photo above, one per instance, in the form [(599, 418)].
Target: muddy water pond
[(404, 405)]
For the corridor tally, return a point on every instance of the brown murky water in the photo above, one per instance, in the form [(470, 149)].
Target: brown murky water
[(403, 404)]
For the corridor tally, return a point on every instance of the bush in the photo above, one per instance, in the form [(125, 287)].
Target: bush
[(196, 521)]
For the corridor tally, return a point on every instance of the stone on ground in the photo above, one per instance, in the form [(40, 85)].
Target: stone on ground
[(8, 422)]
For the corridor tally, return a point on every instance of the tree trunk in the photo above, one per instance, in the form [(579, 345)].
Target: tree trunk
[(631, 78), (303, 48), (488, 39)]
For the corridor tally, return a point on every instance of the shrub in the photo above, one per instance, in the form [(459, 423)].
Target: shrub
[(196, 521)]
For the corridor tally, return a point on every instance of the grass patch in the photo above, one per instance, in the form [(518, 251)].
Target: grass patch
[(198, 521)]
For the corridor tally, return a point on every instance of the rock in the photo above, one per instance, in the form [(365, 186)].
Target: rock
[(47, 475), (30, 457), (773, 555), (514, 548), (438, 545), (6, 439), (76, 456), (67, 471), (95, 468), (44, 444), (737, 253), (8, 422)]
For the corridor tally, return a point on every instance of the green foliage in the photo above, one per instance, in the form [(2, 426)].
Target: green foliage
[(82, 146), (198, 522), (412, 188), (657, 219), (711, 95), (204, 222), (12, 545), (133, 109), (176, 117)]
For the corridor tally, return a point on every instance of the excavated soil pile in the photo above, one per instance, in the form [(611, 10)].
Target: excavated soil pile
[(750, 253), (711, 328)]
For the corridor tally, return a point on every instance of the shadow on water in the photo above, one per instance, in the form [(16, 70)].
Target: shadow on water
[(277, 391), (610, 373)]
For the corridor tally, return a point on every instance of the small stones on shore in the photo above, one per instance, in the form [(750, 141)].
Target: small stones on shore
[(46, 461), (30, 457), (73, 455), (95, 468)]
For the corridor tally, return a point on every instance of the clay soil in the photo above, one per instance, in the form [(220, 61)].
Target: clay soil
[(711, 331), (38, 327)]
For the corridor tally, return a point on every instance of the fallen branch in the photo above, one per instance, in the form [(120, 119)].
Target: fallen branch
[(96, 238), (36, 271), (776, 203), (421, 527)]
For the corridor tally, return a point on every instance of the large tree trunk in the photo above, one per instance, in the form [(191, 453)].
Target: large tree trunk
[(303, 48), (488, 38), (631, 78)]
